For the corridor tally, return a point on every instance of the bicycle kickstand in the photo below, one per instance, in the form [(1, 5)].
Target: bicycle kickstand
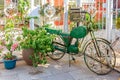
[(71, 56)]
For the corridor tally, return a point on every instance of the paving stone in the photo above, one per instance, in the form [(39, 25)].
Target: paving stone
[(99, 78), (63, 67), (80, 75), (24, 76), (55, 70), (9, 77), (7, 72), (63, 76)]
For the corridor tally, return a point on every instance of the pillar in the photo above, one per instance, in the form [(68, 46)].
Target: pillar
[(109, 19), (66, 15), (31, 20)]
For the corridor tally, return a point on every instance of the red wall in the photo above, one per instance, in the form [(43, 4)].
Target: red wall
[(99, 7), (58, 2)]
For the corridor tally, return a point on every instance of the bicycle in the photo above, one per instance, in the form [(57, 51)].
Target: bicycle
[(98, 54)]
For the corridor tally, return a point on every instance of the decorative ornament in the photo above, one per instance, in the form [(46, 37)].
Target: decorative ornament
[(10, 11), (49, 11)]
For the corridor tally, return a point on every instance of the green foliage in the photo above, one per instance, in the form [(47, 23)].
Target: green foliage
[(46, 25), (34, 17), (8, 56), (9, 24), (23, 5), (118, 23), (72, 25), (9, 44), (93, 25), (40, 41)]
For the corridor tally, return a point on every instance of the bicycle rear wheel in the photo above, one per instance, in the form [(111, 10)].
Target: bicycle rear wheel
[(103, 63), (59, 49)]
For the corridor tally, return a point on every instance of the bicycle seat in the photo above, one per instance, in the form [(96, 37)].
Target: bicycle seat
[(79, 32)]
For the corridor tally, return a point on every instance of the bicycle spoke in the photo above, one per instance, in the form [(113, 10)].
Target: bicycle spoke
[(102, 64)]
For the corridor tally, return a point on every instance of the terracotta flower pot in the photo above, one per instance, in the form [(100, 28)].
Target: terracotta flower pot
[(26, 53)]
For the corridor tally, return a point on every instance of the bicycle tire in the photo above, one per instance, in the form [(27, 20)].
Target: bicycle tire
[(102, 64), (57, 54)]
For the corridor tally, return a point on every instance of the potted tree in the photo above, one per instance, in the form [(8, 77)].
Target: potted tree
[(38, 42)]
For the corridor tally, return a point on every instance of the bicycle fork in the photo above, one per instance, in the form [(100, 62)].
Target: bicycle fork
[(95, 44)]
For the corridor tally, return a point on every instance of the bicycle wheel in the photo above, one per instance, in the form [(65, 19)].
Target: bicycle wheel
[(103, 63), (59, 50)]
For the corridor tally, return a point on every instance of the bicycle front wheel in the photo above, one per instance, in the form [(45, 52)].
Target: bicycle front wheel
[(100, 63), (59, 49)]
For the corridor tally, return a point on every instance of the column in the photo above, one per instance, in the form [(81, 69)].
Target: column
[(66, 15), (109, 19), (31, 20), (78, 3)]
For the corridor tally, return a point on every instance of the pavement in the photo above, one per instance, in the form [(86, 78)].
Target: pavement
[(55, 70)]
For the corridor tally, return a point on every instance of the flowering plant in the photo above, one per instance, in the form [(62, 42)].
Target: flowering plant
[(9, 39), (9, 55), (11, 47), (9, 42)]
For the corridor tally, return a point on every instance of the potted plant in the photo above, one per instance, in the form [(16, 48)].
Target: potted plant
[(9, 59), (8, 46), (38, 42)]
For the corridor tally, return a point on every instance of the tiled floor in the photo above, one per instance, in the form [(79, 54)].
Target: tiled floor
[(55, 70)]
